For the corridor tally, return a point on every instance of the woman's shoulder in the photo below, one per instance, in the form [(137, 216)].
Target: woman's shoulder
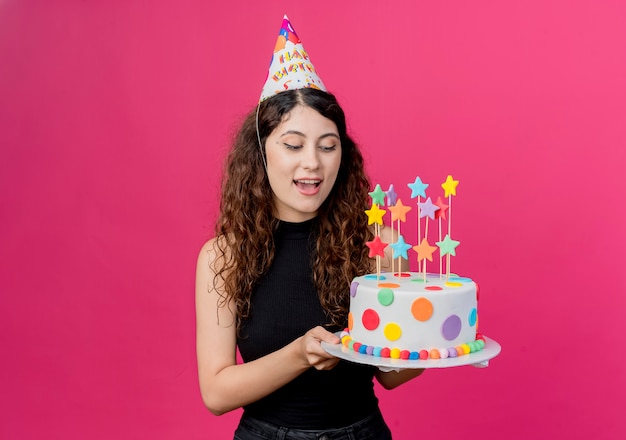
[(213, 250), (209, 245), (219, 244), (208, 249)]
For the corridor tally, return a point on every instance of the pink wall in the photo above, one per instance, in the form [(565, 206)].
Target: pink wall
[(114, 117)]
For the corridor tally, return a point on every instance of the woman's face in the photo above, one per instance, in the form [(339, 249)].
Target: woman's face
[(303, 158)]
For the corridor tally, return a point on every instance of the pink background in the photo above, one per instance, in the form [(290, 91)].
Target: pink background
[(114, 119)]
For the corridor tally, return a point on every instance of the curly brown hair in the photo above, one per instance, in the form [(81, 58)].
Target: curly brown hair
[(246, 224)]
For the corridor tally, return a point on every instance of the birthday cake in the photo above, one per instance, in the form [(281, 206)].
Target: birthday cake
[(407, 318), (413, 315)]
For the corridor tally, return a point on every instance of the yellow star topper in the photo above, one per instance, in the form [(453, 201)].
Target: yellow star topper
[(449, 186), (375, 215)]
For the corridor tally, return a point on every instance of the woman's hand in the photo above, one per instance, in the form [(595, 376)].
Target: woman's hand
[(311, 350), (390, 379)]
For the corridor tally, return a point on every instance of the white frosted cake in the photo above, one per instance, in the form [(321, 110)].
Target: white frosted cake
[(414, 315), (409, 318)]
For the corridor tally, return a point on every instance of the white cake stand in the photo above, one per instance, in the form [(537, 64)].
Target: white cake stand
[(478, 359)]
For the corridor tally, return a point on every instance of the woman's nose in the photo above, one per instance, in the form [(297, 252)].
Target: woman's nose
[(310, 158)]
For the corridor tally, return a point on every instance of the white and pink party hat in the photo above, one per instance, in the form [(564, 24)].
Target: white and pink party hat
[(291, 67)]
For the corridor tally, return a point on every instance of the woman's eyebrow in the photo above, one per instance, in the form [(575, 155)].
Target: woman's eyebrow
[(299, 133), (335, 135)]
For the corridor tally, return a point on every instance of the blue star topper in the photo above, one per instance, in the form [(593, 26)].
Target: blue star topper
[(400, 247), (418, 188)]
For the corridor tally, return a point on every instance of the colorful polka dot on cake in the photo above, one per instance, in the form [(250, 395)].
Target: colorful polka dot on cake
[(472, 318), (392, 331), (385, 296), (353, 288), (370, 319), (422, 309), (451, 327)]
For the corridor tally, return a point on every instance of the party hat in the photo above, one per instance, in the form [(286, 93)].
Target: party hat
[(291, 67)]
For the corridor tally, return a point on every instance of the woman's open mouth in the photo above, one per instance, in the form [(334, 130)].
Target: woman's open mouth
[(307, 182), (307, 186)]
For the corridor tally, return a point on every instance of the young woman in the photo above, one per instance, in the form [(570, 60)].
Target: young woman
[(274, 282)]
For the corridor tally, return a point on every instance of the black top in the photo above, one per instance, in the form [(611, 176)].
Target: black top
[(285, 305)]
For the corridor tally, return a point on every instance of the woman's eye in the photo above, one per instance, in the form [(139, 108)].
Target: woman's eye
[(292, 147), (323, 148)]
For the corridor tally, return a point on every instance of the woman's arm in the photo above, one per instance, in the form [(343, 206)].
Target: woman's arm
[(226, 385), (393, 379)]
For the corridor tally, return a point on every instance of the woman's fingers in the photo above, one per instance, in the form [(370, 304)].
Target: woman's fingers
[(316, 356)]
